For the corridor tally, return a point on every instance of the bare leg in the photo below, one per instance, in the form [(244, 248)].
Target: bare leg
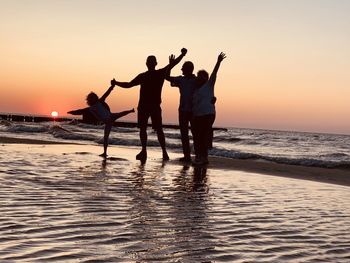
[(195, 134), (143, 138), (118, 115), (184, 118), (108, 127), (161, 139), (142, 156)]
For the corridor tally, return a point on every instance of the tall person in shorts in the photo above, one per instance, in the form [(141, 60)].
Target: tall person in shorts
[(151, 83)]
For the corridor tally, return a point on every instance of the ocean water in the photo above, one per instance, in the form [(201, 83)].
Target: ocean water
[(307, 149), (63, 203)]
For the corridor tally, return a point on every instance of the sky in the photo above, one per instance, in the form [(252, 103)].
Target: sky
[(287, 65)]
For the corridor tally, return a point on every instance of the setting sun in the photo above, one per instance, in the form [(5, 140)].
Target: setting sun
[(54, 114)]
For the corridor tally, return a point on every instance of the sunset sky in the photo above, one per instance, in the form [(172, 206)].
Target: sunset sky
[(287, 66)]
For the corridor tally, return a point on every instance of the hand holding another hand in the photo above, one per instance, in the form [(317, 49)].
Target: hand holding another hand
[(113, 82)]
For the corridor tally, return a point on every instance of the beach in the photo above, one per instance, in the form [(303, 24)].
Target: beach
[(64, 203)]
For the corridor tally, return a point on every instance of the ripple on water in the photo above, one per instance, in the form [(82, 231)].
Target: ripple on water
[(120, 211)]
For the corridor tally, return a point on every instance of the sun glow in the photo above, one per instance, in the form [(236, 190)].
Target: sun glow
[(54, 114)]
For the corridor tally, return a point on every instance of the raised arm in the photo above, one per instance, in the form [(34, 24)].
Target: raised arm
[(221, 57), (174, 61), (104, 96), (78, 112), (167, 76)]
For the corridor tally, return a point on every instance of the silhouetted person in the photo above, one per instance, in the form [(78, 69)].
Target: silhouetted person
[(186, 84), (97, 107), (204, 111), (151, 83)]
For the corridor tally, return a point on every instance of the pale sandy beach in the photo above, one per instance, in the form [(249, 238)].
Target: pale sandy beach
[(64, 203)]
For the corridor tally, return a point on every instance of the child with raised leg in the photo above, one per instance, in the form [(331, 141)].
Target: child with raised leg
[(102, 113)]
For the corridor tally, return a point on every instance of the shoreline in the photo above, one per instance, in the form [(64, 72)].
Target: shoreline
[(325, 175)]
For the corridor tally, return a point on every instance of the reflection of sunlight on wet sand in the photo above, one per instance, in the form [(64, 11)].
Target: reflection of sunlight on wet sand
[(70, 204)]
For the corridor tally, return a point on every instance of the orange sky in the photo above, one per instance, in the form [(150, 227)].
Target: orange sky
[(287, 63)]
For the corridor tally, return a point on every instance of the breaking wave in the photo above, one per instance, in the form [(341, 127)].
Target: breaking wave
[(282, 160), (284, 148)]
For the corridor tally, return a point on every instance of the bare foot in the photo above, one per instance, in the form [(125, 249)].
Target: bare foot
[(104, 155), (142, 156), (165, 156)]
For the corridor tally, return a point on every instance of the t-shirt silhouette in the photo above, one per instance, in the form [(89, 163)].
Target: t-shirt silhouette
[(151, 86)]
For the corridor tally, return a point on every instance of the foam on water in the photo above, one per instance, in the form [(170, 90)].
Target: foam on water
[(64, 204), (307, 149)]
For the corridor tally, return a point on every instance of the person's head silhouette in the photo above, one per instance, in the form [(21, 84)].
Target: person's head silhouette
[(151, 62), (91, 98), (187, 68), (202, 77)]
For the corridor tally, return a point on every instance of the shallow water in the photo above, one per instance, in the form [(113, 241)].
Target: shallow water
[(64, 204), (298, 148)]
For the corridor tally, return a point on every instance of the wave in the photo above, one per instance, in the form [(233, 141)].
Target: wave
[(136, 142), (227, 139), (129, 137), (101, 127), (282, 160), (335, 155), (62, 133), (5, 123), (26, 128)]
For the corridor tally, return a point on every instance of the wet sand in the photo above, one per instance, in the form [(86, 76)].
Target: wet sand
[(326, 175), (6, 140), (64, 203)]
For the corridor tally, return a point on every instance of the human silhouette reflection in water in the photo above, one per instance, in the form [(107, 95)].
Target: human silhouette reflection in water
[(151, 83), (200, 179), (146, 211), (169, 214), (189, 215)]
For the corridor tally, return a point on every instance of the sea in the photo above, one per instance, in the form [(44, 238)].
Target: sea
[(64, 203), (286, 147)]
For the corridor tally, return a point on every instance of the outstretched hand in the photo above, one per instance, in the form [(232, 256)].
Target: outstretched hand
[(221, 57), (183, 51), (171, 59), (113, 82)]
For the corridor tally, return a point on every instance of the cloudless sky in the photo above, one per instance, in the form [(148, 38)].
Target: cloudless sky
[(287, 66)]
